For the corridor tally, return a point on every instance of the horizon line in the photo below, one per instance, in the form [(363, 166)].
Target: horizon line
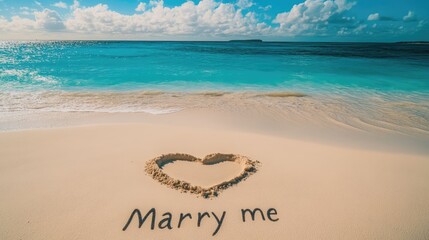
[(230, 40)]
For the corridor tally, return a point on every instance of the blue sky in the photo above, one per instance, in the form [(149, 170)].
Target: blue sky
[(294, 20)]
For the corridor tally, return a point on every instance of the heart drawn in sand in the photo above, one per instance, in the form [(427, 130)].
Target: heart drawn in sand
[(155, 168)]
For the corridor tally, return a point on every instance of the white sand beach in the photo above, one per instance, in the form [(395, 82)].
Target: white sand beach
[(83, 181), (214, 119)]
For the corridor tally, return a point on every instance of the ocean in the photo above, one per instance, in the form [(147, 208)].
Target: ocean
[(382, 82), (189, 66)]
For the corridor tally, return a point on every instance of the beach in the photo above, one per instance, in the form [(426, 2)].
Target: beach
[(213, 140), (84, 181)]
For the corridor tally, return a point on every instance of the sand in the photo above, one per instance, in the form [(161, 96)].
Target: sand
[(203, 175), (204, 186), (84, 182)]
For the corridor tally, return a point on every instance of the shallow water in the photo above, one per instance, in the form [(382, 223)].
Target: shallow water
[(360, 85)]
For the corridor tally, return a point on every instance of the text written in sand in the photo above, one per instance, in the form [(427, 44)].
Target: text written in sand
[(166, 222)]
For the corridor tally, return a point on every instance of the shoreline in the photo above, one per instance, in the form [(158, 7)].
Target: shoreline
[(330, 133), (403, 113), (365, 122)]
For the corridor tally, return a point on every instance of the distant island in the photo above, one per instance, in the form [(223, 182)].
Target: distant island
[(246, 40), (414, 42)]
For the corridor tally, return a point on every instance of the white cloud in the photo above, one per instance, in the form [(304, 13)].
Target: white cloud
[(47, 20), (26, 11), (243, 4), (266, 8), (360, 28), (311, 16), (343, 31), (374, 17), (75, 5), (155, 3), (378, 17), (267, 17), (60, 5), (355, 30), (141, 7), (205, 18), (410, 17), (16, 24)]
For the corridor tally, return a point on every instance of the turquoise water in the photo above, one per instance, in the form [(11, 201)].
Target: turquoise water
[(364, 86), (353, 83), (188, 66)]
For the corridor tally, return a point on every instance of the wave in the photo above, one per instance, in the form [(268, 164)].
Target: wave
[(63, 101), (355, 109), (25, 79), (153, 102)]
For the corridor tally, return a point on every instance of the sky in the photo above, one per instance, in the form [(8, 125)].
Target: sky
[(276, 20)]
